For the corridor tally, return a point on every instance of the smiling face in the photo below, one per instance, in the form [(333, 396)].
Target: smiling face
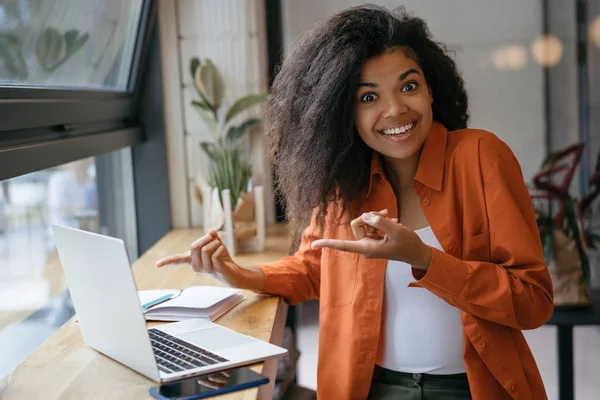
[(393, 112)]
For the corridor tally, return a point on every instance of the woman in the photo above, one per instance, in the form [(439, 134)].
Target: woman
[(423, 246)]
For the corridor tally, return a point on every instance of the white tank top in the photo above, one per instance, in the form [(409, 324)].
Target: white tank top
[(420, 332)]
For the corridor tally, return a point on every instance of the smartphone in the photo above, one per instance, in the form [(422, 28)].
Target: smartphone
[(213, 384)]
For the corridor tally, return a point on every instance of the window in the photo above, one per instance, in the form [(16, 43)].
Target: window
[(28, 206), (71, 74), (32, 284), (72, 67), (68, 43)]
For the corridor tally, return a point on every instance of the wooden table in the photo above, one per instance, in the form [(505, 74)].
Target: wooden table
[(64, 367)]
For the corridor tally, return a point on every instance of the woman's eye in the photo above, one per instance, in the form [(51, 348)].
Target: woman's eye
[(368, 97), (409, 87)]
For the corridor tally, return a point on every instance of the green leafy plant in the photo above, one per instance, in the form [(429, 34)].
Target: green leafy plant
[(53, 48), (11, 57), (229, 167)]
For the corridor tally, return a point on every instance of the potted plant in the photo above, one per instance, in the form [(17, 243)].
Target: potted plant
[(565, 226), (229, 177)]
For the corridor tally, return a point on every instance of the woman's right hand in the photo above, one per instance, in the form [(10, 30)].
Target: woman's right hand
[(209, 255)]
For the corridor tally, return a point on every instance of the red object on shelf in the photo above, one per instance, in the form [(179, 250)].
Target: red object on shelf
[(544, 180)]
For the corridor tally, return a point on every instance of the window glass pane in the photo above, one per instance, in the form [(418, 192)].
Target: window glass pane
[(68, 43), (34, 301)]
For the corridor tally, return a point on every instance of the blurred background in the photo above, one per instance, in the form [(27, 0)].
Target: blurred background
[(98, 130)]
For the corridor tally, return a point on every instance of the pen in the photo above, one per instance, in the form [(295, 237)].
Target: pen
[(156, 301)]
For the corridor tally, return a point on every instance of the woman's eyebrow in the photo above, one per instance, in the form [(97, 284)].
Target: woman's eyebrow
[(407, 73), (367, 84), (400, 78)]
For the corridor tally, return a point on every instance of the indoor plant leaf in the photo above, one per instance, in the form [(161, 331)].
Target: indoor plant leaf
[(236, 132), (576, 234), (194, 64), (211, 83), (202, 105), (208, 118), (200, 88), (210, 149), (230, 171), (50, 49), (74, 41), (12, 57), (243, 103)]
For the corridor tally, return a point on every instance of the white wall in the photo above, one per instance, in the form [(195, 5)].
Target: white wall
[(507, 102), (232, 34)]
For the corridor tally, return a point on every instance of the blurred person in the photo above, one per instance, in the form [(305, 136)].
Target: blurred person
[(422, 244), (2, 213), (72, 195)]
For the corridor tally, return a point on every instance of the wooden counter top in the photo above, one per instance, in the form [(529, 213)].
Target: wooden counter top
[(64, 367)]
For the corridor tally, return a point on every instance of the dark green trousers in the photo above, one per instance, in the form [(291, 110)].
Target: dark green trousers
[(387, 384)]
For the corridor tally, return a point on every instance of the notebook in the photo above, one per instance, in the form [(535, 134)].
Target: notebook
[(193, 302)]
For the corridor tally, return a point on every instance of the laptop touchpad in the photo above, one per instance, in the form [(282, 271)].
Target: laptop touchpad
[(215, 338)]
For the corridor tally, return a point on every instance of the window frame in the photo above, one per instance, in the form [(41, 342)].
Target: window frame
[(45, 127)]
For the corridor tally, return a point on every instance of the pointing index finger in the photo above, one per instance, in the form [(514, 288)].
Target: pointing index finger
[(184, 258), (342, 245)]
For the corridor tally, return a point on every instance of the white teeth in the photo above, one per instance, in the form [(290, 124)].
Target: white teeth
[(399, 131)]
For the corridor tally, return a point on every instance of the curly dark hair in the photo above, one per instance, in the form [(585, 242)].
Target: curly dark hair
[(318, 156)]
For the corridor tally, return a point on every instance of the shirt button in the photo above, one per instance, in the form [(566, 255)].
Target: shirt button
[(482, 344), (426, 202), (451, 249), (416, 377), (513, 388)]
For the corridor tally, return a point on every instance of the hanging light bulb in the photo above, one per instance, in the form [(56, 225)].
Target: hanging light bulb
[(595, 31), (516, 56), (498, 59), (547, 50), (509, 57)]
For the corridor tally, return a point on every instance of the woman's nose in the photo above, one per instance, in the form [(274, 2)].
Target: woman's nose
[(394, 107)]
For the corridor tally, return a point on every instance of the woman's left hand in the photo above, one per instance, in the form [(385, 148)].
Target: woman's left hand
[(398, 243)]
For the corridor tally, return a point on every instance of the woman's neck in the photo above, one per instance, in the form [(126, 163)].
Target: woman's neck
[(401, 172)]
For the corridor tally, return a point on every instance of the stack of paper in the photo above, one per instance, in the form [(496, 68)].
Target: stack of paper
[(193, 302)]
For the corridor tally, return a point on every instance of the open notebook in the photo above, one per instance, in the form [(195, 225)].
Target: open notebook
[(193, 302)]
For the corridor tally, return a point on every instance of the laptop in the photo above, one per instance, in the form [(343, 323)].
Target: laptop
[(110, 316)]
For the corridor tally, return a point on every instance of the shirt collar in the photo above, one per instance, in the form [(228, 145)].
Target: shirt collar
[(430, 170)]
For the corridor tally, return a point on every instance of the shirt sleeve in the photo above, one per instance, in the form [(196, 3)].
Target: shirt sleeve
[(515, 289), (297, 278)]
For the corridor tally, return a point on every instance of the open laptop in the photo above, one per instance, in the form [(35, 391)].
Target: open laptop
[(110, 316)]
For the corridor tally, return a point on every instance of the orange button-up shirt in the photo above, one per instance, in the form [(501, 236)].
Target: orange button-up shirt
[(492, 269)]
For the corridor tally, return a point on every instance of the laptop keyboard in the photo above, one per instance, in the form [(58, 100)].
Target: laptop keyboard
[(175, 355)]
